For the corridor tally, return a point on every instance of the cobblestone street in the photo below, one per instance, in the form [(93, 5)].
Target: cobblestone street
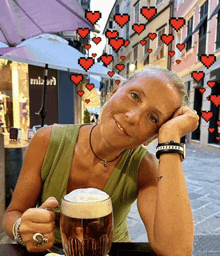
[(202, 173)]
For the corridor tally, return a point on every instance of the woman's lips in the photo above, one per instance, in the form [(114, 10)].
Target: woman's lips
[(120, 128)]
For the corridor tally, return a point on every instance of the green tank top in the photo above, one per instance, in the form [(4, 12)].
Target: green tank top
[(122, 185)]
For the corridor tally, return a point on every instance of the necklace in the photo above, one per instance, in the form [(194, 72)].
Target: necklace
[(105, 161)]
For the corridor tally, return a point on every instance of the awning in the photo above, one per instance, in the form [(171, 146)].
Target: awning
[(196, 29), (217, 9), (158, 50)]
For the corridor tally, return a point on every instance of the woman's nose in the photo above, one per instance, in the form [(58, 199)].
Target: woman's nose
[(133, 115)]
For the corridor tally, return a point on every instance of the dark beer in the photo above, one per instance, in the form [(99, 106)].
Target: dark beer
[(86, 223)]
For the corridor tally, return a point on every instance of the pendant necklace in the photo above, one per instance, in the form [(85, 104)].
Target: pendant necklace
[(105, 161)]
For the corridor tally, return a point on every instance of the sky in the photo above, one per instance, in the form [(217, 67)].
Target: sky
[(105, 7)]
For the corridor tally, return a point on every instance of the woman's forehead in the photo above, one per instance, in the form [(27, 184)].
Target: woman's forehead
[(149, 79)]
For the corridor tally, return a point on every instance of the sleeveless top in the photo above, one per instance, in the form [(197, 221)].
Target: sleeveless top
[(122, 185)]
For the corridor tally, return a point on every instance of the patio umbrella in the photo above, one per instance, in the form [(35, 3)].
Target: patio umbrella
[(53, 52), (23, 19)]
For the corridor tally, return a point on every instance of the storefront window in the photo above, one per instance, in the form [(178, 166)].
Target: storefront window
[(14, 96)]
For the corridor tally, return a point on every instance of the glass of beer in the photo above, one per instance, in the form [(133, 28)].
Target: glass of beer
[(86, 223)]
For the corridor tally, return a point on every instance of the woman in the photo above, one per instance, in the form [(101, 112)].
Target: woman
[(110, 157)]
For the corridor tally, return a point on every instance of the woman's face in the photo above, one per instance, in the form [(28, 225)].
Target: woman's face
[(136, 111)]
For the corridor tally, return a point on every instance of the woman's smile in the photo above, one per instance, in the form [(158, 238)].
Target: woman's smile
[(120, 128)]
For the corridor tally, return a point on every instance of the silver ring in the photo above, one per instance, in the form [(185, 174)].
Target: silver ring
[(43, 239)]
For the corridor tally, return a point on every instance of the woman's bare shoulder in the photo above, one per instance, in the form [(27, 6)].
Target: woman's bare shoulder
[(148, 170)]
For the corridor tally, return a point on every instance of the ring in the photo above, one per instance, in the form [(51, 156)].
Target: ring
[(43, 240)]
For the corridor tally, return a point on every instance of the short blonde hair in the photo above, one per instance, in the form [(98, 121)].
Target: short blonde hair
[(173, 77)]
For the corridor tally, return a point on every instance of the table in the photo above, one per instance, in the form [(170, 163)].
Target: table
[(118, 249)]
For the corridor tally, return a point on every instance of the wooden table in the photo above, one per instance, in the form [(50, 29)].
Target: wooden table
[(118, 249)]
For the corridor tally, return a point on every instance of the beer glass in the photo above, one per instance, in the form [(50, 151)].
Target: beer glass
[(86, 223)]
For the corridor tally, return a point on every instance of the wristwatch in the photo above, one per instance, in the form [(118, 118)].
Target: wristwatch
[(171, 147)]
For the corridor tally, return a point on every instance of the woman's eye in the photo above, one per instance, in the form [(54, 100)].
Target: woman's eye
[(134, 96), (153, 118)]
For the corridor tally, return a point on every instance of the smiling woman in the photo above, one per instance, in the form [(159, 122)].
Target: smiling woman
[(110, 157)]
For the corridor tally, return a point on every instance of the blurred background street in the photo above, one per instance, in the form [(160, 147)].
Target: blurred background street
[(201, 169)]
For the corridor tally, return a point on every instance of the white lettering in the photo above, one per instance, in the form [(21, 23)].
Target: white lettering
[(40, 81)]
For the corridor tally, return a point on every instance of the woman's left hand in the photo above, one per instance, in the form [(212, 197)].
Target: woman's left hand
[(184, 121)]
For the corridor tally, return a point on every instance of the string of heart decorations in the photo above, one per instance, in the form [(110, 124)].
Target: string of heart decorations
[(118, 43)]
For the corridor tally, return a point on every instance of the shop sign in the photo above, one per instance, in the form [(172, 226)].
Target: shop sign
[(40, 81)]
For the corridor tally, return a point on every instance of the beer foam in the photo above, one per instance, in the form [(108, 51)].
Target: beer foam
[(88, 203)]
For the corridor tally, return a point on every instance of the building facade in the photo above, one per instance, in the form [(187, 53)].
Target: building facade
[(141, 47), (201, 38)]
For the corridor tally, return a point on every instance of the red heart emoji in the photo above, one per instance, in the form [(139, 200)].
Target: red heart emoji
[(87, 101), (215, 99), (106, 59), (111, 73), (197, 75), (167, 38), (143, 42), (93, 17), (208, 98), (138, 28), (127, 42), (86, 63), (87, 46), (116, 43), (90, 86), (177, 23), (111, 34), (211, 130), (122, 57), (218, 122), (76, 79), (117, 81), (94, 55), (171, 53), (207, 115), (83, 32), (152, 36), (120, 67), (148, 12), (180, 46), (218, 138), (202, 90), (80, 93), (121, 19), (149, 50), (208, 60), (178, 61), (211, 83), (96, 40)]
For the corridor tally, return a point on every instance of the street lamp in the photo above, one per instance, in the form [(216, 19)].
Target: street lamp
[(131, 67)]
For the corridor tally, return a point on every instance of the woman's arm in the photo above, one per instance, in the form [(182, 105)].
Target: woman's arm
[(163, 199), (29, 184)]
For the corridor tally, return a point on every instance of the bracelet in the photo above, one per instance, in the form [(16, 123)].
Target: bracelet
[(171, 147), (16, 232)]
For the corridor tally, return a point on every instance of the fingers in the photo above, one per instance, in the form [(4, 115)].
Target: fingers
[(39, 220), (28, 229), (51, 202), (37, 215), (30, 243)]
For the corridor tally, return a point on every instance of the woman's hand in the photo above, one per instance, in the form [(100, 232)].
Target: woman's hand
[(39, 220), (184, 121)]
